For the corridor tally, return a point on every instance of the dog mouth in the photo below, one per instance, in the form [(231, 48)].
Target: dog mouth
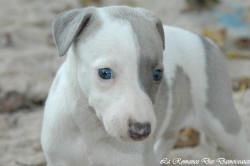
[(138, 137), (133, 137)]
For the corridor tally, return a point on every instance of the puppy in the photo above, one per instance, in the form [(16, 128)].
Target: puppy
[(120, 99)]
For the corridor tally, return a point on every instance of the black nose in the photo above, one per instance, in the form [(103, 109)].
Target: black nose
[(138, 131)]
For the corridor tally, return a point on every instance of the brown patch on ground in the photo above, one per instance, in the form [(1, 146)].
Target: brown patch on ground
[(12, 101), (188, 137)]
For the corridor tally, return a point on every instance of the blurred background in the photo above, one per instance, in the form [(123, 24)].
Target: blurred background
[(29, 61)]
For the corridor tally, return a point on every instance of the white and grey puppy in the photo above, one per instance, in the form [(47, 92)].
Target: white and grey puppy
[(118, 94)]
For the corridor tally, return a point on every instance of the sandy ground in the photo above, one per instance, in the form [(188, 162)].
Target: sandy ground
[(29, 60)]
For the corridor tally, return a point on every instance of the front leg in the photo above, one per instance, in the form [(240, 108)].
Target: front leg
[(165, 144), (114, 154), (149, 157)]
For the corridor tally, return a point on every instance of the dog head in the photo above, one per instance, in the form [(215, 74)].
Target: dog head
[(118, 53)]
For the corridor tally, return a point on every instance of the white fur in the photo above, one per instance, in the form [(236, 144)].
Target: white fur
[(73, 134), (86, 118), (184, 49)]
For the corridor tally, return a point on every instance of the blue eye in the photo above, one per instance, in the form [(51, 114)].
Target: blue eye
[(105, 73), (157, 75)]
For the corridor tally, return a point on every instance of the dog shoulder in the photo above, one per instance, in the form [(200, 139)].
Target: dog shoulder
[(56, 89), (184, 50)]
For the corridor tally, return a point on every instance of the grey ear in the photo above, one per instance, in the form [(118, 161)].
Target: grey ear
[(68, 25), (160, 29)]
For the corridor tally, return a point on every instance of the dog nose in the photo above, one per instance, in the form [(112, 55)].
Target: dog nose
[(138, 131)]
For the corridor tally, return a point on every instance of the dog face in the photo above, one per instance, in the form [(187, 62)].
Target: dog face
[(118, 53)]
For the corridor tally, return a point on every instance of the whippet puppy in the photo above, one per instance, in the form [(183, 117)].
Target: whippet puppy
[(128, 85)]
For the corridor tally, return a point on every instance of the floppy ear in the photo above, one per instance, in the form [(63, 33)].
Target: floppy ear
[(160, 30), (68, 25)]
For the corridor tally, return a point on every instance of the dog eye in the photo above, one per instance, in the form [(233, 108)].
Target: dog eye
[(105, 73), (157, 75)]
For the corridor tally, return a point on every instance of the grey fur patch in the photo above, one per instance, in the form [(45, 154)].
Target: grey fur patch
[(68, 26), (161, 103), (150, 36), (182, 97), (219, 92)]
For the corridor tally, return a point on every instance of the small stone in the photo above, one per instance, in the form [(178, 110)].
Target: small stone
[(242, 83), (188, 137), (13, 101), (6, 39), (200, 4), (243, 43)]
